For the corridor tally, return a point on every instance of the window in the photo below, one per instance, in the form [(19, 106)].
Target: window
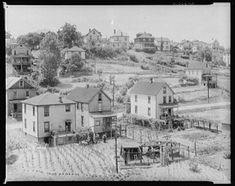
[(27, 93), (93, 31), (149, 111), (67, 108), (14, 52), (25, 123), (14, 94), (99, 107), (149, 99), (33, 126), (164, 99), (136, 109), (164, 90), (78, 106), (27, 52), (82, 121), (97, 123), (21, 83), (81, 107), (46, 126), (25, 108), (46, 110), (33, 110), (100, 97), (169, 99), (135, 98)]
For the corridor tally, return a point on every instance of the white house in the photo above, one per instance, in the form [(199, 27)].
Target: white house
[(226, 58), (93, 110), (196, 69), (46, 113), (152, 99), (69, 52)]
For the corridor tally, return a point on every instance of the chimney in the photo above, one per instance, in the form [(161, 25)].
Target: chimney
[(151, 80), (87, 85), (114, 31), (121, 34), (60, 99), (89, 30)]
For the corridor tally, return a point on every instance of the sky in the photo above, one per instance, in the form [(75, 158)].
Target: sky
[(177, 22)]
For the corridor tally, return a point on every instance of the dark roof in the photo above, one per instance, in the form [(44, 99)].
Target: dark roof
[(147, 88), (75, 48), (47, 99), (92, 31), (84, 95), (146, 35)]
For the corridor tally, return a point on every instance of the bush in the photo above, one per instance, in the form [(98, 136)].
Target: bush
[(227, 155), (144, 67), (133, 58), (119, 98), (150, 50), (193, 166)]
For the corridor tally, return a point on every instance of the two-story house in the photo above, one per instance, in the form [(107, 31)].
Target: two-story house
[(92, 37), (93, 109), (144, 41), (152, 99), (17, 89), (22, 59), (119, 40), (163, 44), (46, 113), (69, 52), (196, 69)]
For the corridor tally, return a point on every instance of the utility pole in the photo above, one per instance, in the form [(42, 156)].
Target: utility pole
[(113, 81), (116, 147), (208, 88)]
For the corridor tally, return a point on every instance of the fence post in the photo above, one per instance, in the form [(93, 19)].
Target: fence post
[(217, 127), (172, 153), (188, 152), (179, 149), (133, 133), (120, 130), (140, 136), (195, 148), (126, 131)]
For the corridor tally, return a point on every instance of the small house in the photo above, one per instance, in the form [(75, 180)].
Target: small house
[(93, 109), (47, 113), (144, 41), (152, 99), (69, 52), (17, 90)]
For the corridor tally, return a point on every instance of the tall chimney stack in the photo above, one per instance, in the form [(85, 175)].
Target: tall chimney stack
[(114, 31), (60, 99), (89, 30), (151, 80)]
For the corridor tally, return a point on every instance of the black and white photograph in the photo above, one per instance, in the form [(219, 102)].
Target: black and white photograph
[(118, 92)]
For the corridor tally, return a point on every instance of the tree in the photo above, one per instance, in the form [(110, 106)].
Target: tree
[(8, 35), (208, 54), (69, 36), (50, 44), (49, 68), (76, 63), (32, 39)]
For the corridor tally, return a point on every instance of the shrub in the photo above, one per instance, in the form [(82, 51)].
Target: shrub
[(133, 58), (150, 50), (193, 166), (227, 155), (119, 98), (144, 67)]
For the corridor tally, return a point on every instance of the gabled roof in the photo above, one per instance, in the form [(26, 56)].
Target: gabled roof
[(47, 99), (75, 48), (11, 81), (93, 30), (83, 94), (148, 88)]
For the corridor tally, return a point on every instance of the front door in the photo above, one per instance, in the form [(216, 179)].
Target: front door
[(68, 126), (14, 107)]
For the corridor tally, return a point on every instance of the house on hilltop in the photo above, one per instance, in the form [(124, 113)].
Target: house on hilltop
[(119, 40), (162, 43), (48, 113), (22, 59), (93, 109), (144, 41), (17, 89), (92, 37), (69, 52), (152, 99)]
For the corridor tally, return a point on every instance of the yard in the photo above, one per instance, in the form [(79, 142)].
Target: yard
[(75, 162)]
